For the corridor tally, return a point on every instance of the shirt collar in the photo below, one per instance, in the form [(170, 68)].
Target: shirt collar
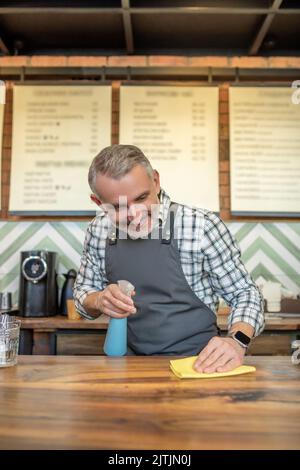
[(165, 202), (164, 205)]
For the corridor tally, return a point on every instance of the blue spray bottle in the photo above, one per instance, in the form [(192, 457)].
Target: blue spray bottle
[(116, 337)]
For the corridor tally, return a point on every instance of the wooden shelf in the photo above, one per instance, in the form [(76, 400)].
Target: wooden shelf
[(62, 322)]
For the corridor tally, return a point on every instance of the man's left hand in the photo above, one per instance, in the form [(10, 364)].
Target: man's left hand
[(220, 355)]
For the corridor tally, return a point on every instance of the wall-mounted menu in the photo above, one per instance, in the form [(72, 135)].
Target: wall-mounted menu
[(264, 151), (177, 129), (57, 130), (1, 136)]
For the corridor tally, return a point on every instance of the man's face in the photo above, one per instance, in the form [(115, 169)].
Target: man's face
[(132, 201)]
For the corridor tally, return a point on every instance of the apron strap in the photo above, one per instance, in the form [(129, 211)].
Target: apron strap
[(166, 234), (113, 236), (168, 230)]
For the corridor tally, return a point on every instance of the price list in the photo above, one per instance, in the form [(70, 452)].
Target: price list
[(57, 130), (264, 151), (177, 129)]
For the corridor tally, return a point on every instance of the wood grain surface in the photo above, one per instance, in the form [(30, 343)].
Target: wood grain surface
[(67, 402)]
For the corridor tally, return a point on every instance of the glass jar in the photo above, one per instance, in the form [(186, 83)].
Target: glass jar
[(9, 341), (296, 352)]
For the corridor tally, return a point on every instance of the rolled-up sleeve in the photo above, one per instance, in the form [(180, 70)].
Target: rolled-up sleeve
[(228, 275), (90, 277)]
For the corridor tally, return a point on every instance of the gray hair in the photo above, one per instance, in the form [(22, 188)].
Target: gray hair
[(116, 161)]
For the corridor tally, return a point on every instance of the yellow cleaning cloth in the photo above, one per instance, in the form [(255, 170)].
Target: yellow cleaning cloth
[(183, 368)]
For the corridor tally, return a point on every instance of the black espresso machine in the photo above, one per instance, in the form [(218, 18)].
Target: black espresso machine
[(38, 291)]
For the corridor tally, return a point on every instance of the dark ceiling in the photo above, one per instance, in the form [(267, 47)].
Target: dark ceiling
[(225, 27)]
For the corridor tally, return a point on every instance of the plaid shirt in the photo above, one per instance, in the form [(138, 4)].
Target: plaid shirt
[(209, 255)]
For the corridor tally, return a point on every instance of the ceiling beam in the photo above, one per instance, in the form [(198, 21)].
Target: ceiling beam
[(263, 30), (148, 10), (127, 26), (3, 47), (58, 9), (214, 10)]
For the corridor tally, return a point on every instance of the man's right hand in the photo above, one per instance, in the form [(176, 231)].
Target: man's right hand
[(111, 301)]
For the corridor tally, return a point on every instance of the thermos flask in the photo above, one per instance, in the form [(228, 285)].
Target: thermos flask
[(67, 291), (116, 337)]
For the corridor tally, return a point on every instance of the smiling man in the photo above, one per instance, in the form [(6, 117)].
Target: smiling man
[(180, 259)]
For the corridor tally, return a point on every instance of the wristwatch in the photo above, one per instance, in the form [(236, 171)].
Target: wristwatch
[(241, 338)]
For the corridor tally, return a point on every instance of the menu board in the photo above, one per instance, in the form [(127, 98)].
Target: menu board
[(1, 137), (264, 151), (57, 131), (177, 129), (2, 103)]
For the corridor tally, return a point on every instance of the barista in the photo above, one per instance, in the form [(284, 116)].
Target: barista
[(180, 260)]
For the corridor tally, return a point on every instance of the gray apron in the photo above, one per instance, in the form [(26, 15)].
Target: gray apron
[(170, 318)]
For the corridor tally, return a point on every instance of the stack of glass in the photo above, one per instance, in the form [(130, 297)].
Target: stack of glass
[(9, 340)]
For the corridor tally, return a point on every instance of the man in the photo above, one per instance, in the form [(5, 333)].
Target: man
[(180, 260)]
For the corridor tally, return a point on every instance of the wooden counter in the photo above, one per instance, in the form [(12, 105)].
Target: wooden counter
[(52, 402), (59, 335)]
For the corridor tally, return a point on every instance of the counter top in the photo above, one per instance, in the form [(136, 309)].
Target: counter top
[(67, 402)]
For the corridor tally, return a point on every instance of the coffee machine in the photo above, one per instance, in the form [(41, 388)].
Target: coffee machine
[(38, 292)]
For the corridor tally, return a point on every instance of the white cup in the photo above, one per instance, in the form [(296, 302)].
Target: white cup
[(272, 294)]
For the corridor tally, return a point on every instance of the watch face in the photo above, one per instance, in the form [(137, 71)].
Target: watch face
[(242, 338), (34, 268)]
